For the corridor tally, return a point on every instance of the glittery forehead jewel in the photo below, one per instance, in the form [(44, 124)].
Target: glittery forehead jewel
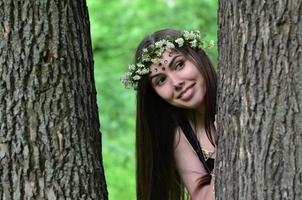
[(153, 53)]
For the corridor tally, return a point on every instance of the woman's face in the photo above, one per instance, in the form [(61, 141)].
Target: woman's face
[(178, 81)]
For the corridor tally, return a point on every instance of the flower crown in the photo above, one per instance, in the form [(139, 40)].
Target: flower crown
[(153, 53)]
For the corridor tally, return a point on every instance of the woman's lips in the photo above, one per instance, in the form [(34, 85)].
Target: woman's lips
[(187, 93)]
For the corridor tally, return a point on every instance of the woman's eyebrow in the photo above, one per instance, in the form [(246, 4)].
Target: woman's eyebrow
[(153, 76), (172, 60)]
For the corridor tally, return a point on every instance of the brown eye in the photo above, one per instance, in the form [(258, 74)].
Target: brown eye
[(179, 65), (160, 80)]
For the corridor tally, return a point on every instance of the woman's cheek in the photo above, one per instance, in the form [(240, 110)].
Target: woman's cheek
[(164, 93)]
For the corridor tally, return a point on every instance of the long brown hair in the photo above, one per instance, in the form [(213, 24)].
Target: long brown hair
[(156, 124)]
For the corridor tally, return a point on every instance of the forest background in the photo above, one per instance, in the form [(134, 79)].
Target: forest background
[(117, 27)]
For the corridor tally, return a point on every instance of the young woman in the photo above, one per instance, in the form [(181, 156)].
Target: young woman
[(176, 103)]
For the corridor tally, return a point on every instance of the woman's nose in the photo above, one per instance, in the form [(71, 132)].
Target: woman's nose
[(177, 83)]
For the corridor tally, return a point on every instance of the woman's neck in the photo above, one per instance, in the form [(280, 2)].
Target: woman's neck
[(197, 116)]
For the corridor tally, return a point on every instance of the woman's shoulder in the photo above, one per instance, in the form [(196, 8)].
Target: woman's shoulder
[(181, 145), (179, 138)]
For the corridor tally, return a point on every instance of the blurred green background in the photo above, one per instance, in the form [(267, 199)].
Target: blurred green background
[(117, 26)]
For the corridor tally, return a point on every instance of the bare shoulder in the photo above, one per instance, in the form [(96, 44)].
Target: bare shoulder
[(189, 166), (181, 145), (185, 156)]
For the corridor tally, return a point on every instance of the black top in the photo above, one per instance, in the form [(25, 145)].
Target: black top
[(210, 163), (191, 137)]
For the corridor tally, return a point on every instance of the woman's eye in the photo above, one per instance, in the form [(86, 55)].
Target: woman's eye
[(160, 80), (179, 65)]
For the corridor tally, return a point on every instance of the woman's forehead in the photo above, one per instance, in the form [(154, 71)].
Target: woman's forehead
[(164, 61)]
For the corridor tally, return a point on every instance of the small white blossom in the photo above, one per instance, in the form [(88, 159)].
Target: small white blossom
[(186, 33), (159, 43), (189, 35), (125, 80), (131, 67), (136, 77), (211, 44), (193, 35), (158, 52), (180, 41), (193, 43), (145, 50), (139, 71), (146, 71), (142, 71), (146, 58), (140, 65), (155, 60), (170, 45)]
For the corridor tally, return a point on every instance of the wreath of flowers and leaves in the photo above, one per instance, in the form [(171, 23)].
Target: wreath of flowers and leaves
[(153, 53)]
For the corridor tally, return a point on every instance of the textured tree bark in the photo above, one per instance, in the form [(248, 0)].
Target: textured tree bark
[(50, 143), (259, 115)]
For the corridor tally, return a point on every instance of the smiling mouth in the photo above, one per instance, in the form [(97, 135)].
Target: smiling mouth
[(185, 90)]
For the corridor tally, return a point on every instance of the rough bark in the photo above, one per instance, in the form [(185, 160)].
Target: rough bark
[(50, 143), (259, 115)]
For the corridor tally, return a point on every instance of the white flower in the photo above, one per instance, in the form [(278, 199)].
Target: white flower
[(146, 71), (170, 45), (189, 35), (192, 35), (145, 50), (159, 43), (125, 80), (140, 65), (138, 71), (136, 77), (145, 58), (193, 43), (186, 34), (142, 71), (155, 60), (211, 44), (180, 41), (131, 67), (159, 52)]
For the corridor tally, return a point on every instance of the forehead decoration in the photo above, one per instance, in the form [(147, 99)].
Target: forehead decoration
[(153, 53)]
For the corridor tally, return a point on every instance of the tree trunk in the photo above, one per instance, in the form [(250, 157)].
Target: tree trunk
[(50, 143), (259, 152)]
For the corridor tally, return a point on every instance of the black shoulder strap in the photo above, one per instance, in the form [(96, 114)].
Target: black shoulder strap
[(191, 137)]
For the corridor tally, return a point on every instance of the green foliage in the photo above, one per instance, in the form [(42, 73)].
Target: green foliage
[(117, 27)]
